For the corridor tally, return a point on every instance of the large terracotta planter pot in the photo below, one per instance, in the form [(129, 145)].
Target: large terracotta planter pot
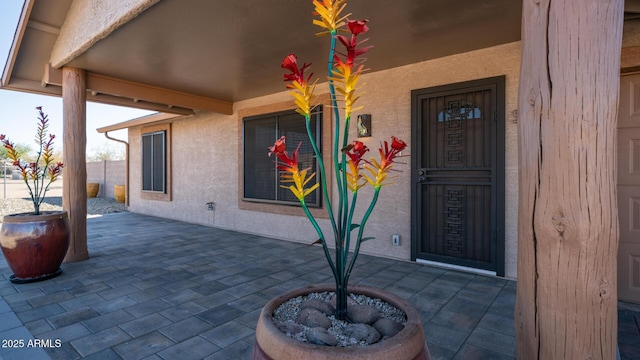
[(35, 245), (272, 344)]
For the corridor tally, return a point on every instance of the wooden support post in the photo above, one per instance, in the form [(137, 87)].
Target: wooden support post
[(74, 190), (566, 303)]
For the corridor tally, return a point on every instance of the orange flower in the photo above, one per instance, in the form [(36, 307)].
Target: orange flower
[(355, 151), (329, 12), (380, 170), (302, 91), (346, 73), (289, 164)]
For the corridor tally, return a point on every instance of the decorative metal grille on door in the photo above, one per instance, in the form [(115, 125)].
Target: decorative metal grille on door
[(456, 169)]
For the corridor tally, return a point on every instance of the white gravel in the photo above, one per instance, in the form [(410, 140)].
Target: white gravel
[(288, 312), (95, 206)]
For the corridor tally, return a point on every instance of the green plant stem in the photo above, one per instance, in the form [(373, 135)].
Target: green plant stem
[(36, 206), (347, 245), (323, 181), (322, 239), (336, 114), (36, 178), (341, 300), (356, 251), (342, 286), (343, 213)]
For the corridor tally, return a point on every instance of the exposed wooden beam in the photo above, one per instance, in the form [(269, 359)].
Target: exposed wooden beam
[(35, 87), (145, 105), (101, 84)]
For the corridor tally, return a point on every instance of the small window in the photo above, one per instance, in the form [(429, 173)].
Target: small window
[(156, 163), (262, 181), (457, 111)]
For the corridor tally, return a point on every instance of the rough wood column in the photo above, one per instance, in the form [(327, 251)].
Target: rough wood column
[(74, 190), (567, 221)]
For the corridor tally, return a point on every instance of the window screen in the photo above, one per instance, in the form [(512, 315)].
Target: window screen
[(261, 178), (154, 161)]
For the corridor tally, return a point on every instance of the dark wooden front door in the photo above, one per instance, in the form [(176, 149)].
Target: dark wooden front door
[(458, 174)]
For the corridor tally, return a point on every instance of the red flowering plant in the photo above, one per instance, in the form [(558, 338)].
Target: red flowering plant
[(352, 171), (39, 174)]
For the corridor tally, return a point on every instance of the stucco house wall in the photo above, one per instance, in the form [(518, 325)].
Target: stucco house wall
[(205, 156)]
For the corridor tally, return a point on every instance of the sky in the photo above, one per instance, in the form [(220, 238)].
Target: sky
[(18, 114)]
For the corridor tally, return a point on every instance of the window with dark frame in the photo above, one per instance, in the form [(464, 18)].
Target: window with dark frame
[(154, 162), (262, 181)]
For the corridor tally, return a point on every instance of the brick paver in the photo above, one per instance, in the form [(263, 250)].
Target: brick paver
[(166, 289)]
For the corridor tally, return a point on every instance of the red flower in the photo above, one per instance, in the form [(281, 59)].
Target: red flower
[(398, 144), (290, 163), (358, 27), (388, 155), (279, 146), (55, 171), (293, 174), (297, 74), (302, 91), (356, 151)]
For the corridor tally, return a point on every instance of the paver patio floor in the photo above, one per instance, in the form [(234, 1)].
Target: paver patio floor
[(163, 289)]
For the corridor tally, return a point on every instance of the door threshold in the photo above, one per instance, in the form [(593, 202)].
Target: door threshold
[(457, 267)]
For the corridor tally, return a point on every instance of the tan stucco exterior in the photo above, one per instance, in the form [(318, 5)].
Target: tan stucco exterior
[(205, 157), (89, 21)]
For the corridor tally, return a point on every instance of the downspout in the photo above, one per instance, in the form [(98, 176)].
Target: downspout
[(126, 166)]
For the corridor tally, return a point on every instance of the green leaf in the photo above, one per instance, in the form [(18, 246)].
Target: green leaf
[(354, 226), (367, 238)]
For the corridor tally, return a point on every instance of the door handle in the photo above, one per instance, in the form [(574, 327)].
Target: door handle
[(422, 175)]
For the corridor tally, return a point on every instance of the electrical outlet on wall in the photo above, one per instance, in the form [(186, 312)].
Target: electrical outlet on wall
[(395, 239)]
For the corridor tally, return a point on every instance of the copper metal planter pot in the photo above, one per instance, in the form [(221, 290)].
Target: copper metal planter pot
[(35, 245), (272, 344)]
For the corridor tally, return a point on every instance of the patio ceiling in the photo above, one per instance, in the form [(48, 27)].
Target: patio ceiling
[(231, 50)]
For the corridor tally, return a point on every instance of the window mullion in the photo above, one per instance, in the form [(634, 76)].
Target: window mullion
[(277, 172), (151, 157)]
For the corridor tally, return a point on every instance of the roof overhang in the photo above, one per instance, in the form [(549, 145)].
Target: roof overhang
[(176, 56), (144, 120)]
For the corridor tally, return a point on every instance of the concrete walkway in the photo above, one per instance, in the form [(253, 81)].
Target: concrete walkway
[(162, 289)]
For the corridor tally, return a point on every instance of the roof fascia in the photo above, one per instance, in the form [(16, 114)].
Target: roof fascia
[(153, 118), (17, 40)]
